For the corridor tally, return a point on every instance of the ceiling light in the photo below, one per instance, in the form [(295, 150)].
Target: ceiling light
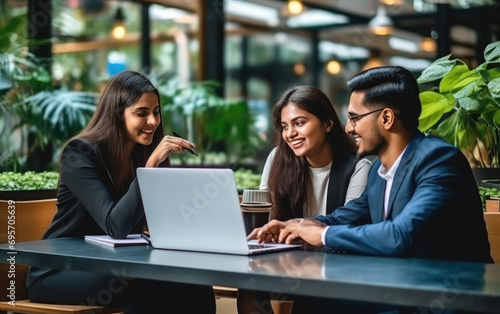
[(381, 24), (119, 31), (392, 2), (334, 67), (428, 44), (299, 68), (374, 61), (295, 7)]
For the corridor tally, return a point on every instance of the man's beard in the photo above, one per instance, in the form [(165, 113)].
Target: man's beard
[(382, 143)]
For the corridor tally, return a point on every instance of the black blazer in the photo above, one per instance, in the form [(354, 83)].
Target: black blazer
[(88, 202), (342, 169)]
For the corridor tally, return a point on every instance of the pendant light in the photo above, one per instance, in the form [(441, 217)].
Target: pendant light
[(119, 31), (295, 7), (381, 24)]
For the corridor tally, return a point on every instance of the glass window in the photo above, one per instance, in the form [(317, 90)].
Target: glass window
[(260, 49)]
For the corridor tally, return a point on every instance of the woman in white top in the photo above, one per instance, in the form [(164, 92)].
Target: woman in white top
[(319, 179), (312, 171), (313, 168)]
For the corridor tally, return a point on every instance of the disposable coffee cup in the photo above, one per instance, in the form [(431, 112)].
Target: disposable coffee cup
[(255, 208), (254, 220)]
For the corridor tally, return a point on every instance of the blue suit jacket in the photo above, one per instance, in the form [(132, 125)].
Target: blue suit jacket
[(434, 209)]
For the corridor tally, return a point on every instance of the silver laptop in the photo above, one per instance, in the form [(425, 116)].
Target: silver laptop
[(196, 210)]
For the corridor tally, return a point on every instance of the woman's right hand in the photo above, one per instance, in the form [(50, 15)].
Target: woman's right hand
[(166, 147)]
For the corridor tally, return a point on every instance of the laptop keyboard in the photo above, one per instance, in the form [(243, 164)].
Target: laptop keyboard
[(258, 246)]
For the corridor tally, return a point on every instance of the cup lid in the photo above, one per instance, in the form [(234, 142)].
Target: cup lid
[(256, 204), (256, 209)]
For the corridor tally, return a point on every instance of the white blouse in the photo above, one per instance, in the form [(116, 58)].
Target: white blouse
[(318, 184)]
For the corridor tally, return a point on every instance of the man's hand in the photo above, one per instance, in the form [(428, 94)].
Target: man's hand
[(306, 230), (309, 230), (269, 232)]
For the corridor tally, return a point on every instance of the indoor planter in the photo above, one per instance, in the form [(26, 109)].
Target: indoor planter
[(462, 106), (28, 185)]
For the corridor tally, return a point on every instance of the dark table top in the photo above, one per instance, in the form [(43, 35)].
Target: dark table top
[(409, 282)]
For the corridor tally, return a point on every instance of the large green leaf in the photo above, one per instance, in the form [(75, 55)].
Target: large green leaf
[(494, 87), (447, 129), (492, 52), (494, 73), (465, 91), (468, 82), (483, 71), (437, 70), (434, 105), (14, 25), (496, 119), (470, 104), (452, 78), (62, 113), (468, 134), (488, 115), (457, 130)]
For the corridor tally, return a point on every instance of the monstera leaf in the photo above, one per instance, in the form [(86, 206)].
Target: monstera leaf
[(60, 114)]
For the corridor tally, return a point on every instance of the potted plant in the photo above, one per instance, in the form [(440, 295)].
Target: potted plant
[(462, 106), (214, 123), (35, 117)]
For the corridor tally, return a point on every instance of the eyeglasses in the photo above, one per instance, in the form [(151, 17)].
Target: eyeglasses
[(356, 118)]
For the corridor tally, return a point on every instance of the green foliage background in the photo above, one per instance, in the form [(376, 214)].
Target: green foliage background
[(463, 105)]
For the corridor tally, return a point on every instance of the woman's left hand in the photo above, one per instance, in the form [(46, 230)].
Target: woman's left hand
[(167, 146)]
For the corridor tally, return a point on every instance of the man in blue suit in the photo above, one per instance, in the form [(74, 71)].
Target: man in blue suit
[(421, 199)]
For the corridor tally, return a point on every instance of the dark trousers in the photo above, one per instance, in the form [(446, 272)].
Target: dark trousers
[(135, 295)]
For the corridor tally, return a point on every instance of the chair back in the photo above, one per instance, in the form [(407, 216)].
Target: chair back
[(22, 221), (492, 221)]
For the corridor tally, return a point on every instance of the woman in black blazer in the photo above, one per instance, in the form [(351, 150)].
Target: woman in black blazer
[(99, 194)]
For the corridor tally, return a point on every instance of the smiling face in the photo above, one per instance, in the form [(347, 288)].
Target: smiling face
[(141, 120), (365, 130), (305, 134)]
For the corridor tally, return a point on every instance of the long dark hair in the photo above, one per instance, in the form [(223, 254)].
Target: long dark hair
[(288, 177), (106, 128)]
